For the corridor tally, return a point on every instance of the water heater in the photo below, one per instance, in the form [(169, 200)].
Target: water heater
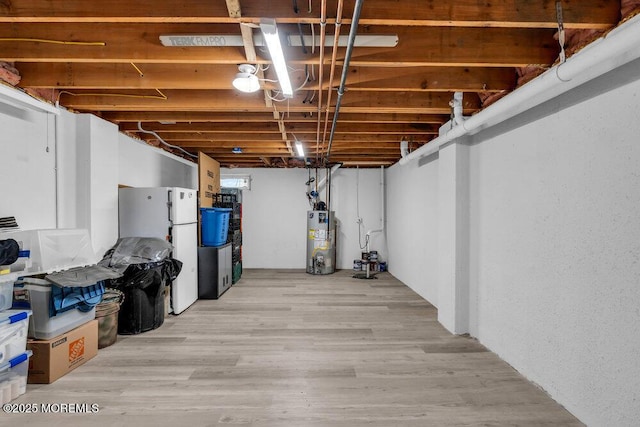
[(321, 242)]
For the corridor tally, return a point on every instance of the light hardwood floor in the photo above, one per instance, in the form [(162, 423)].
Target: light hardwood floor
[(283, 348)]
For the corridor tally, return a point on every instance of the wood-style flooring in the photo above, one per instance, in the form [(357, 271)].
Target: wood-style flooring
[(284, 348)]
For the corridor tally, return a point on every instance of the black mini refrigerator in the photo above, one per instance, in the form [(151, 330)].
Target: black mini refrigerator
[(214, 271)]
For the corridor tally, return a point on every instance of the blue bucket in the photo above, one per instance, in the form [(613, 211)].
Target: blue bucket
[(215, 225)]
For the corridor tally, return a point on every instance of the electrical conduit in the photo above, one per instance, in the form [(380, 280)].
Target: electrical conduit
[(345, 67)]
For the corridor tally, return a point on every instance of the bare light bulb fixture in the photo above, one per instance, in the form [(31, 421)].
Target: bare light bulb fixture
[(246, 80)]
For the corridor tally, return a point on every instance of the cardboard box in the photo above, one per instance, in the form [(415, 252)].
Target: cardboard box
[(56, 357)]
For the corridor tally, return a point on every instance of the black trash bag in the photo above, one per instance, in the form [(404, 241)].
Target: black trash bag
[(143, 286), (9, 251)]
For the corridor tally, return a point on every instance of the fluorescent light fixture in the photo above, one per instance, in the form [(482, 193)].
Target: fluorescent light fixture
[(272, 38), (299, 148), (246, 80)]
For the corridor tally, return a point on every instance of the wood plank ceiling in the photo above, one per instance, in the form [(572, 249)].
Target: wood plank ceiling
[(106, 58)]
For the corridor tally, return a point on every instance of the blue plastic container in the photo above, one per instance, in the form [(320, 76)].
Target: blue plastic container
[(215, 225)]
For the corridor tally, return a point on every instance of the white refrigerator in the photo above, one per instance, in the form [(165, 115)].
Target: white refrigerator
[(169, 213)]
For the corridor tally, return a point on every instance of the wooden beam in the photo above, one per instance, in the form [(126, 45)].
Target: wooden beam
[(208, 76), (230, 127), (184, 137), (188, 139), (364, 102), (540, 13), (139, 43), (216, 117)]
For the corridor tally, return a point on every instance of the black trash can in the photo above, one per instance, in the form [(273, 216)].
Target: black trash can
[(143, 287), (146, 269)]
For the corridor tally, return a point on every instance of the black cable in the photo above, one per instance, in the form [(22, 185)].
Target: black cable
[(304, 48)]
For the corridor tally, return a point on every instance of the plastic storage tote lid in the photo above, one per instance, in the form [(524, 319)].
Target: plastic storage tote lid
[(13, 316), (8, 278), (223, 209), (15, 361)]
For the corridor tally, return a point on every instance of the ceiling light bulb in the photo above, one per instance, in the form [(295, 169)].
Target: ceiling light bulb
[(246, 80), (300, 149)]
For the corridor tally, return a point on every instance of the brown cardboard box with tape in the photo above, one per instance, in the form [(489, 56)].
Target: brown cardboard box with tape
[(56, 357)]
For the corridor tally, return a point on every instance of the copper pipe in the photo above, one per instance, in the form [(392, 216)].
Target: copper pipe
[(334, 56), (343, 80), (323, 24)]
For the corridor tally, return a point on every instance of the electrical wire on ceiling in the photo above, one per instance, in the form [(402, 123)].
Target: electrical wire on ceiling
[(163, 142), (561, 34), (28, 39), (137, 69), (120, 95)]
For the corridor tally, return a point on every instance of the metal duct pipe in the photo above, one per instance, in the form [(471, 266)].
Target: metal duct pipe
[(618, 47), (352, 36)]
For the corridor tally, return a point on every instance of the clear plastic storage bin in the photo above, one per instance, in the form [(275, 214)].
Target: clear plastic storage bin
[(35, 294), (53, 250), (6, 290), (13, 377), (14, 325)]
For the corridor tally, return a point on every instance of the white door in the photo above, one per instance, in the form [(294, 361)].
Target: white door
[(184, 290), (185, 205)]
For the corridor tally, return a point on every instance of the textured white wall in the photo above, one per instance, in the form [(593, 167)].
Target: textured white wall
[(27, 166), (275, 215), (97, 165), (141, 165), (357, 192), (412, 231), (555, 250), (93, 158)]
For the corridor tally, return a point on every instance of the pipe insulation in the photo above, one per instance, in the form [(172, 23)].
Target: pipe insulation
[(404, 148), (620, 46)]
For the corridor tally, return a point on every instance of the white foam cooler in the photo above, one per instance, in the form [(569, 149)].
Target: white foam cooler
[(36, 295), (14, 326)]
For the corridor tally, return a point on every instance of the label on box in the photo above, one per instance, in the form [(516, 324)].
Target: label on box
[(60, 341), (76, 350), (21, 298)]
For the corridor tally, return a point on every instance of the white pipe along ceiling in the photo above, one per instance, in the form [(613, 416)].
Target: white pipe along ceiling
[(617, 48)]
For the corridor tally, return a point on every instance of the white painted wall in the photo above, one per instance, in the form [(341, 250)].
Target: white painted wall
[(92, 159), (275, 215), (97, 180), (27, 165), (412, 225), (556, 249), (141, 165), (356, 192)]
